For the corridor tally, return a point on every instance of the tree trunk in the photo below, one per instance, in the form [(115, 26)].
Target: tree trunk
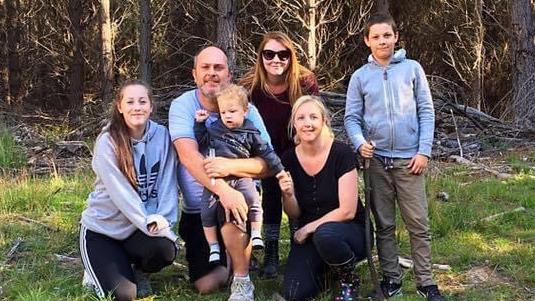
[(145, 59), (226, 29), (381, 6), (523, 35), (311, 43), (76, 76), (107, 53), (12, 44), (3, 51), (479, 52)]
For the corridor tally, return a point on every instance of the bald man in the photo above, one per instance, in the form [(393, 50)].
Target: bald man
[(211, 73)]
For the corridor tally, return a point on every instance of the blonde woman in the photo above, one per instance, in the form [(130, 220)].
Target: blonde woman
[(320, 192)]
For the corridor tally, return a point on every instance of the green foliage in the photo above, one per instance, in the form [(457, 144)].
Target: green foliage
[(522, 163), (44, 213), (11, 156), (55, 131)]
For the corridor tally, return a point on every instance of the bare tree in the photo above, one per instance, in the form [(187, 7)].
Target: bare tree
[(226, 29), (479, 54), (311, 41), (465, 50), (3, 65), (12, 44), (326, 31), (106, 52), (144, 44), (76, 73), (523, 50)]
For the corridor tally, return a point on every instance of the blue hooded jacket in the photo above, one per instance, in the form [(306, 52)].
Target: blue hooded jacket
[(391, 106)]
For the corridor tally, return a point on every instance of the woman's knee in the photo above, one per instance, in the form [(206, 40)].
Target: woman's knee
[(163, 254), (125, 291), (326, 235)]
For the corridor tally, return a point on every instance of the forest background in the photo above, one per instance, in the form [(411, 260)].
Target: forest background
[(64, 57), (60, 61)]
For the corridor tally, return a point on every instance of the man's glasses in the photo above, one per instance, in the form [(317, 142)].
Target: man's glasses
[(283, 55)]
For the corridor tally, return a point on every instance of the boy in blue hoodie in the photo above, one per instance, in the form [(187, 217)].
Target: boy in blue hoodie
[(390, 120)]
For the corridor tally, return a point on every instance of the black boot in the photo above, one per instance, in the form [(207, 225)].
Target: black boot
[(271, 259), (348, 280)]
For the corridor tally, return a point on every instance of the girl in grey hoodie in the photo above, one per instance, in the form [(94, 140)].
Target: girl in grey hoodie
[(126, 227)]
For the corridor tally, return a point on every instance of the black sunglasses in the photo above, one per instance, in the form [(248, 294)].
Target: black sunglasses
[(283, 55)]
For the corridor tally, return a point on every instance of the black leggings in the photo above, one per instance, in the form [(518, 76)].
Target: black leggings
[(108, 261), (308, 264)]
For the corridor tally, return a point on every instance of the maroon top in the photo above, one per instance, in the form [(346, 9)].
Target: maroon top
[(276, 112)]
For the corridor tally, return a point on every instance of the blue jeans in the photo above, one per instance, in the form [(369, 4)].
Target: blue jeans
[(333, 243)]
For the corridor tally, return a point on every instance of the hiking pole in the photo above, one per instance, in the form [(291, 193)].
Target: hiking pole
[(367, 226)]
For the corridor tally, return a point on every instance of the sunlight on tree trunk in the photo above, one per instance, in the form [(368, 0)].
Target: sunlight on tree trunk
[(12, 44), (107, 53), (311, 45)]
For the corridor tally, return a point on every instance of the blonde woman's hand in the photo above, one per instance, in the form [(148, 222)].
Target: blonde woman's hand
[(301, 235), (286, 183)]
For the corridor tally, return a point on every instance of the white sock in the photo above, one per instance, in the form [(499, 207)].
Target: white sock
[(256, 233), (242, 277)]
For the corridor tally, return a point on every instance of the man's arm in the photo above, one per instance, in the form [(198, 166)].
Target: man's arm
[(232, 200), (254, 167)]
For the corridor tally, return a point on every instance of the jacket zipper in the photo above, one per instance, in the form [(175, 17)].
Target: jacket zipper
[(389, 108)]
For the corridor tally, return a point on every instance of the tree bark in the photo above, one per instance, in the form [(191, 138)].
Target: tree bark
[(145, 24), (12, 44), (311, 41), (381, 6), (479, 52), (3, 50), (106, 53), (523, 35), (76, 76), (227, 30)]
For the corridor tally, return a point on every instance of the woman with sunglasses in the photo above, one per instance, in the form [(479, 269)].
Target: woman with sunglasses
[(275, 82)]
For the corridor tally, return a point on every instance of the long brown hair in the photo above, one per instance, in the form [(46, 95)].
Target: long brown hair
[(256, 78), (119, 132)]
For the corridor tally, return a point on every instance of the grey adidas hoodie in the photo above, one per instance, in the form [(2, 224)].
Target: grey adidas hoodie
[(115, 208)]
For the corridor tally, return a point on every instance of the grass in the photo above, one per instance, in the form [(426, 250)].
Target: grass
[(11, 156), (490, 260)]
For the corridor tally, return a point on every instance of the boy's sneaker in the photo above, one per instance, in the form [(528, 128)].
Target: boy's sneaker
[(430, 292), (390, 289), (215, 257), (241, 290)]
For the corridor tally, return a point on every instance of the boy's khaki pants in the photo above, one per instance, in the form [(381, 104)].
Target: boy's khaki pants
[(389, 185)]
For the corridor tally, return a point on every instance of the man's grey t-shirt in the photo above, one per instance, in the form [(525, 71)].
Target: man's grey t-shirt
[(181, 122)]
